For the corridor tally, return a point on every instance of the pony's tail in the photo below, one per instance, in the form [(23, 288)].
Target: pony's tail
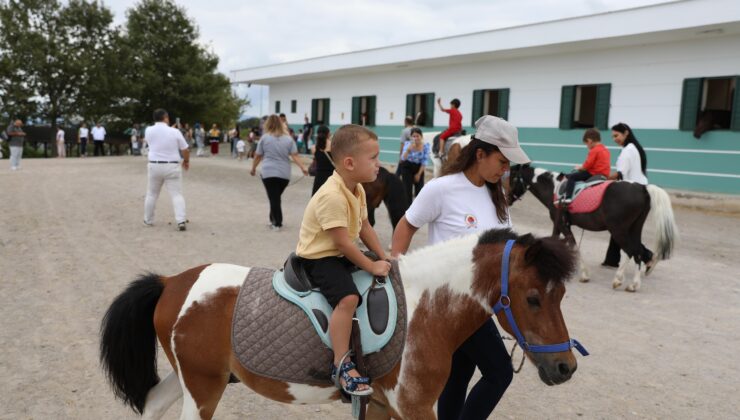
[(128, 342), (665, 224)]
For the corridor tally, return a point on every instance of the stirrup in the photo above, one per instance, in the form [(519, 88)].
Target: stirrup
[(350, 382)]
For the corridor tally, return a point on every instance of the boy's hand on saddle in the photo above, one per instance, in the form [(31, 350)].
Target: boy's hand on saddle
[(380, 268)]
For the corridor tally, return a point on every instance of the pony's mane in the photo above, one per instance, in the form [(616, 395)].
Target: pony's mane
[(446, 264), (553, 259)]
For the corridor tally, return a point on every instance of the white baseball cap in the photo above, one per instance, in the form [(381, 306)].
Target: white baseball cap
[(502, 134)]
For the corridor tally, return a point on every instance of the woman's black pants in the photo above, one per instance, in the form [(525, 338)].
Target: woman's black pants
[(484, 349), (275, 187)]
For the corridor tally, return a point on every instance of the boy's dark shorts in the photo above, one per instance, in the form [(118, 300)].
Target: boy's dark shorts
[(333, 276)]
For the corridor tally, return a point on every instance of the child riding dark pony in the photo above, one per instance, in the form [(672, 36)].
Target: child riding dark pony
[(597, 162)]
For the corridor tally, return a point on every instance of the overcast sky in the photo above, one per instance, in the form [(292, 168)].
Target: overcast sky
[(249, 33)]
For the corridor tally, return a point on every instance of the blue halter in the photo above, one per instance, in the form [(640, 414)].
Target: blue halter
[(504, 303)]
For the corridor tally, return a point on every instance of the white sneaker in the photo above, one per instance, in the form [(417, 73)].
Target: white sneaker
[(275, 228)]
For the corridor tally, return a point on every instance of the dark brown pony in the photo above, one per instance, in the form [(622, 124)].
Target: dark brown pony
[(450, 290), (387, 188), (623, 211)]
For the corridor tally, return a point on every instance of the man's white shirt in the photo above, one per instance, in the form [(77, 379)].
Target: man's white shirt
[(98, 133), (164, 143)]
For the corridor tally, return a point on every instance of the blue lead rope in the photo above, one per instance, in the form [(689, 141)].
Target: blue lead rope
[(504, 303)]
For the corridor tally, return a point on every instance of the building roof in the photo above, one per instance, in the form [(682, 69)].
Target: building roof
[(664, 22)]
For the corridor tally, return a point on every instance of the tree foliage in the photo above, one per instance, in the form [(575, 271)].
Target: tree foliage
[(69, 61), (172, 70)]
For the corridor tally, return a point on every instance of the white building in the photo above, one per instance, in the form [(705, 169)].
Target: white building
[(654, 67)]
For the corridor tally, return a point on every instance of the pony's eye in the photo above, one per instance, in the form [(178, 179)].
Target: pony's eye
[(533, 300)]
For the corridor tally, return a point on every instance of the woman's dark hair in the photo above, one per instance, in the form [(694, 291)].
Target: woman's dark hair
[(322, 134), (468, 158), (416, 130), (409, 120), (631, 139)]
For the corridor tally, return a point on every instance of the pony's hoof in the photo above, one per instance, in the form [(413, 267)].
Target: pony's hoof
[(631, 288), (649, 266), (616, 283), (584, 279)]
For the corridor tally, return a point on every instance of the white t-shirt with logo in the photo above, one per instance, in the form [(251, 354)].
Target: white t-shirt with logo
[(164, 143), (453, 206), (84, 132)]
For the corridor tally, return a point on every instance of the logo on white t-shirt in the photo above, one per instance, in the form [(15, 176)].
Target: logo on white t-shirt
[(470, 221)]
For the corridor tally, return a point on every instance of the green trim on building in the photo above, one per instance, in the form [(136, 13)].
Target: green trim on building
[(675, 158)]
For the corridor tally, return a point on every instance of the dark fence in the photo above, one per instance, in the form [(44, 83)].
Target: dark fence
[(43, 140)]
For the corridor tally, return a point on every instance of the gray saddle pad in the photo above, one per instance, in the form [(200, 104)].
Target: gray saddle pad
[(273, 338)]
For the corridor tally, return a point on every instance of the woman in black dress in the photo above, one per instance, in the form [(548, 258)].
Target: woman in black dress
[(324, 165)]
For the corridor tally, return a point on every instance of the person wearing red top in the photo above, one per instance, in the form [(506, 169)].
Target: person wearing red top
[(453, 127), (598, 162)]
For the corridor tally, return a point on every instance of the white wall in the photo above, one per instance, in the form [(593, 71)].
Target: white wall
[(647, 82)]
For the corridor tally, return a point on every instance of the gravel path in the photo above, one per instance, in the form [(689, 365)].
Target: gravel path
[(71, 238)]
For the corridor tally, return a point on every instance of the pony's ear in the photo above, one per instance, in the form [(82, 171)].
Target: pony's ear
[(560, 176), (526, 165), (554, 259)]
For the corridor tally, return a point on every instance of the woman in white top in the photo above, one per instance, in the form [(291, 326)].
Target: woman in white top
[(631, 167), (469, 199)]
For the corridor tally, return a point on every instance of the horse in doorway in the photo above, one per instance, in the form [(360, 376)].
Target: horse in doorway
[(623, 211), (451, 289), (389, 189), (712, 119)]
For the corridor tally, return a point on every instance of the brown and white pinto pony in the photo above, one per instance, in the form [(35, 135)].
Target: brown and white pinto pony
[(450, 290)]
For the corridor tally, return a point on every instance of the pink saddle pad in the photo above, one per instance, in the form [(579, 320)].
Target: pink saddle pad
[(589, 199)]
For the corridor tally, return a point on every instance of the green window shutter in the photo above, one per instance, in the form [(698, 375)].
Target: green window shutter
[(277, 107), (371, 101), (477, 106), (430, 110), (326, 111), (567, 102), (503, 103), (735, 117), (691, 102), (410, 106), (601, 116), (314, 111), (356, 109)]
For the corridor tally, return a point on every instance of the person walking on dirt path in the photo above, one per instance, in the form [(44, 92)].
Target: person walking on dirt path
[(82, 135), (98, 135), (276, 148), (16, 137), (61, 151), (165, 146)]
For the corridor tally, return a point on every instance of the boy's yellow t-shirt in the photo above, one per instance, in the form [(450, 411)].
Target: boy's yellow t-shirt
[(333, 205)]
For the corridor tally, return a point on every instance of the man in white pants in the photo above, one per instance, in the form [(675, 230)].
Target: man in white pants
[(165, 145)]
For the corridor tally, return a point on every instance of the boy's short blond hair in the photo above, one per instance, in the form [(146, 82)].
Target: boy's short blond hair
[(345, 140)]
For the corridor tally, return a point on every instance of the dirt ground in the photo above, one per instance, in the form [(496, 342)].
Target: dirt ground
[(71, 238)]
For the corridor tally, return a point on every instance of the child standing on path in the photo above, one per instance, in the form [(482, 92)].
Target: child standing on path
[(597, 162), (334, 218), (240, 146)]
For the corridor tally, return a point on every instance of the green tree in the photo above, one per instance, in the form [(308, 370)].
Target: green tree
[(172, 70), (63, 57)]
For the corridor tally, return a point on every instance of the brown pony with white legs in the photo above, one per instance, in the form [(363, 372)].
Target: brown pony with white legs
[(451, 289)]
